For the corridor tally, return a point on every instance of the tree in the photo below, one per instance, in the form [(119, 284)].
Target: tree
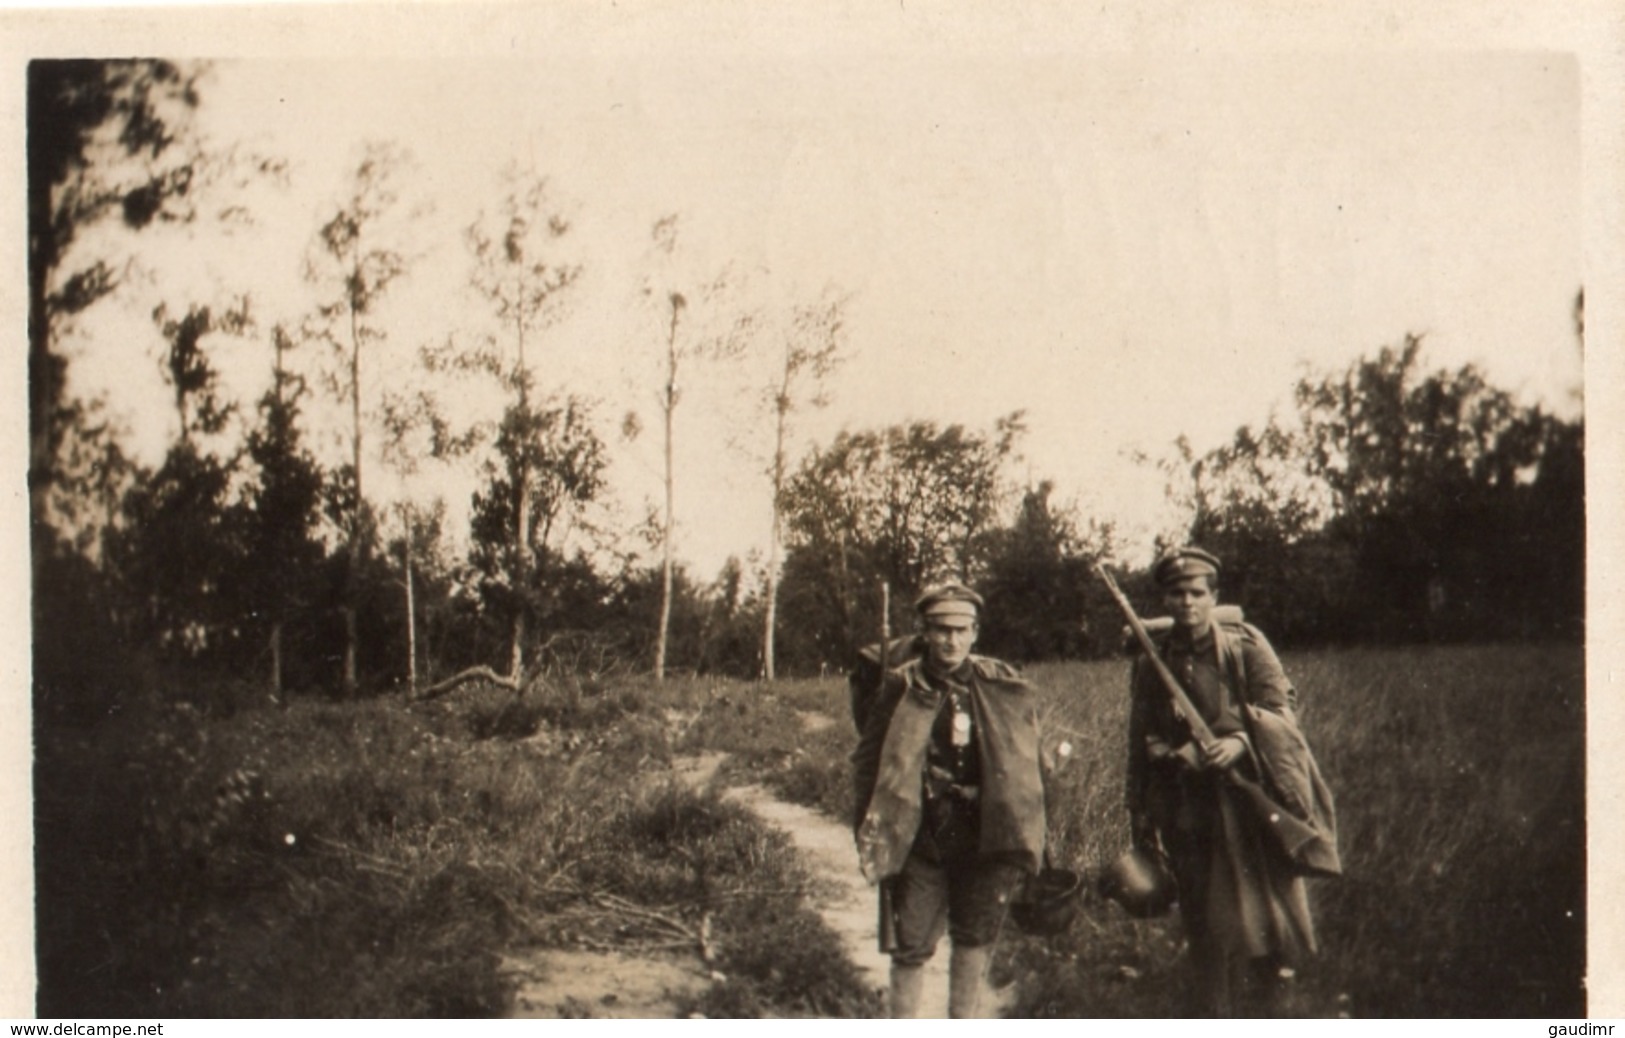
[(563, 458), (183, 539), (812, 344), (517, 274), (104, 138), (710, 342), (1417, 464), (108, 141), (192, 378), (1402, 504), (357, 271), (1040, 583), (283, 550), (1253, 502), (415, 431), (909, 505)]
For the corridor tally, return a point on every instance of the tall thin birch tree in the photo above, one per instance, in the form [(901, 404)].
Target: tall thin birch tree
[(354, 259), (813, 341), (518, 273), (710, 334)]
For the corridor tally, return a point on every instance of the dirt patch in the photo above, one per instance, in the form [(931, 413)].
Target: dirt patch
[(813, 721), (574, 985), (697, 772)]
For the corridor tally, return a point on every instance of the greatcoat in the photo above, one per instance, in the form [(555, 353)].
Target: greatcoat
[(1239, 868), (889, 765)]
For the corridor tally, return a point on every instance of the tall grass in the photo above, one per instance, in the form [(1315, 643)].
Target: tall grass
[(1459, 782), (370, 859), (375, 859)]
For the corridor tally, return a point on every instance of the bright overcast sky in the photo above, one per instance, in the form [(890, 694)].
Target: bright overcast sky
[(1127, 246)]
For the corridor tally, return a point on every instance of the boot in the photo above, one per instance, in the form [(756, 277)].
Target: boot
[(1213, 993), (967, 976), (907, 982)]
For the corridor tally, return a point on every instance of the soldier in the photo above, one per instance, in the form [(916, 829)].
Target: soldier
[(1241, 897), (949, 801)]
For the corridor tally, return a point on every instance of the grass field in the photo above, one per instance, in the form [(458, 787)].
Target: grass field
[(1460, 789), (374, 859)]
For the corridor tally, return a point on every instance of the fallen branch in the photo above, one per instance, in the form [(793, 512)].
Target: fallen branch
[(440, 688), (630, 908)]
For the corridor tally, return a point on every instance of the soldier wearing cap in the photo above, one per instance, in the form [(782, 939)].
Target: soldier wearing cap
[(1243, 904), (949, 801)]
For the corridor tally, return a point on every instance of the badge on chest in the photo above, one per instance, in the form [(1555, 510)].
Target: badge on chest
[(961, 726)]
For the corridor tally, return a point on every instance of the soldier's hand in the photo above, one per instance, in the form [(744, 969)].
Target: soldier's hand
[(1222, 753)]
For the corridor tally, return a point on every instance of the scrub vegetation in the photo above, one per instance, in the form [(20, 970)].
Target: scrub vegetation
[(379, 859)]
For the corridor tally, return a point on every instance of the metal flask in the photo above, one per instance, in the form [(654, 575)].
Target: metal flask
[(1140, 883)]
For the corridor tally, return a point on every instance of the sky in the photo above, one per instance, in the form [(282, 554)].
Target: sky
[(1128, 248)]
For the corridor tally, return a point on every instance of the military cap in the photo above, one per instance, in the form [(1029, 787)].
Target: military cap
[(1183, 563), (951, 599)]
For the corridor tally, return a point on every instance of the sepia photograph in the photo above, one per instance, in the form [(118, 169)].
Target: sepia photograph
[(809, 511)]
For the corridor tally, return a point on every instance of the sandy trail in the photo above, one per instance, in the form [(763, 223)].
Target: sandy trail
[(848, 904), (556, 983)]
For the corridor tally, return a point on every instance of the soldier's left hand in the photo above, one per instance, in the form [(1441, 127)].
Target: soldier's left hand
[(1222, 753)]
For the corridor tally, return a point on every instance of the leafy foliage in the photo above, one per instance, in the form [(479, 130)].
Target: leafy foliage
[(910, 504), (1040, 574), (1403, 506)]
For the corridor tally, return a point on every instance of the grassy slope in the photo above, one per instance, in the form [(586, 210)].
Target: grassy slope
[(371, 860)]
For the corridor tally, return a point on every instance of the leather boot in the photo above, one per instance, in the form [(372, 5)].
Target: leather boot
[(967, 978), (907, 982)]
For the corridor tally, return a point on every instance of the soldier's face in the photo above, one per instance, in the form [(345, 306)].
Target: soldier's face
[(949, 639), (1191, 603)]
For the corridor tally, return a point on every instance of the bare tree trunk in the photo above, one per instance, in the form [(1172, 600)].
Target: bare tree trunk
[(521, 578), (770, 624), (516, 651), (276, 660), (844, 597), (521, 530), (411, 617), (352, 583), (665, 566)]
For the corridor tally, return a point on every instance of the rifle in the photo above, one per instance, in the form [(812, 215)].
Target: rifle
[(888, 914), (1290, 832), (1182, 703)]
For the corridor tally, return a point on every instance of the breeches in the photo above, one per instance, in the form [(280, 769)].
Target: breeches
[(967, 898)]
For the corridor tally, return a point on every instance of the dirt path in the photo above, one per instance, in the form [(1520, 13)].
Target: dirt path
[(558, 984), (849, 908), (847, 902)]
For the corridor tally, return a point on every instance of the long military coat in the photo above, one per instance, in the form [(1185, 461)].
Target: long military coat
[(889, 765)]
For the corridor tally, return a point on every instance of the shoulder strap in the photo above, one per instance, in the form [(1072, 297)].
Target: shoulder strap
[(1228, 638)]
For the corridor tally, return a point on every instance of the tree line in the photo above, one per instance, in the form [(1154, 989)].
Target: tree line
[(1395, 503)]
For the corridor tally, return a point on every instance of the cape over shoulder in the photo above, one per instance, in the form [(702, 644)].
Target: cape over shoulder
[(990, 669)]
